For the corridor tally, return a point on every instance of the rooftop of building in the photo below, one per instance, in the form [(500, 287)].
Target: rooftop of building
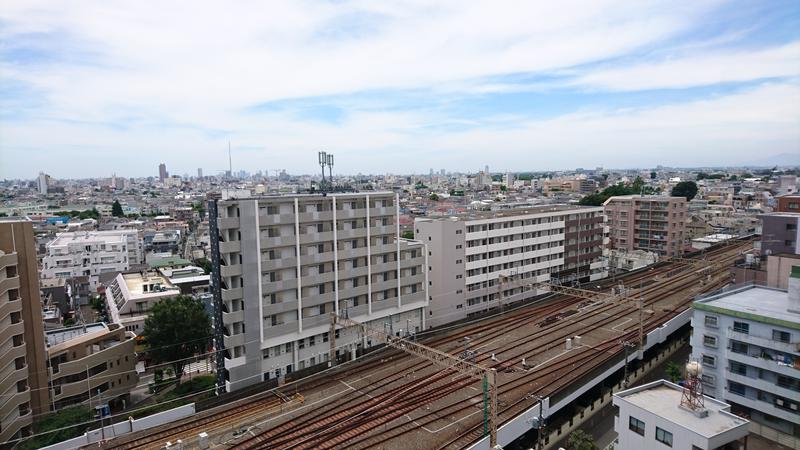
[(62, 335), (172, 261), (663, 399), (139, 283), (15, 219), (306, 195), (522, 211), (79, 237), (648, 198), (792, 215), (753, 302)]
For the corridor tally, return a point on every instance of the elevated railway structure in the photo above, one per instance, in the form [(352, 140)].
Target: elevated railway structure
[(542, 355)]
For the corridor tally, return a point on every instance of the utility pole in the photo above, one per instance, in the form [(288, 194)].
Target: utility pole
[(641, 327), (626, 345), (332, 335)]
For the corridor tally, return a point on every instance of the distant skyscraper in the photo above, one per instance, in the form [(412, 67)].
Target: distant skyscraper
[(162, 172), (486, 169), (43, 183), (199, 172)]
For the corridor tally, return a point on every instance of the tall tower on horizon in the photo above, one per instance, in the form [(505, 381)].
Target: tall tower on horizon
[(162, 172)]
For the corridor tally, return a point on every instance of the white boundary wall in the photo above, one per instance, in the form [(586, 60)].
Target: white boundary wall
[(121, 428)]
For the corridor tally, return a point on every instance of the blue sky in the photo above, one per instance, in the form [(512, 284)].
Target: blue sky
[(94, 88)]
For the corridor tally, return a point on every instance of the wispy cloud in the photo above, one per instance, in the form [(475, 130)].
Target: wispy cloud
[(376, 81)]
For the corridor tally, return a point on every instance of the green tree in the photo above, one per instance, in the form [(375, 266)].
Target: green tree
[(205, 264), (407, 235), (673, 371), (686, 189), (580, 440), (434, 197), (61, 421), (177, 329), (653, 175), (701, 176), (593, 200), (116, 209), (503, 187)]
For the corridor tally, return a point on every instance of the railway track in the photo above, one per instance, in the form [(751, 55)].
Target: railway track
[(344, 424)]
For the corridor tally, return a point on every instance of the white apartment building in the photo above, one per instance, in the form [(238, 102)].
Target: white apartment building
[(282, 264), (90, 253), (483, 260), (651, 417), (131, 296), (748, 340)]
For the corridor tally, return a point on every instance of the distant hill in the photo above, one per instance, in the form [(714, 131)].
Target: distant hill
[(781, 159)]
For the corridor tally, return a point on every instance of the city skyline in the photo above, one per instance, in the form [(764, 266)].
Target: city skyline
[(400, 86)]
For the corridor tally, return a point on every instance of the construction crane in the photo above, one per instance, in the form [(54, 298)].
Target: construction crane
[(487, 375)]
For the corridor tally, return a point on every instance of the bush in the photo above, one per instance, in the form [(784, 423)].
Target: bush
[(73, 415)]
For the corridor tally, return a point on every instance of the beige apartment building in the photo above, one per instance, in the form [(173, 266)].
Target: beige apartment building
[(282, 264), (23, 373), (92, 363), (131, 296), (651, 223)]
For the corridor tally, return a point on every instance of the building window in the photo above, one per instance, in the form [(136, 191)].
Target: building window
[(708, 380), (663, 436), (781, 336), (738, 347), (736, 388), (741, 327), (636, 425), (710, 341), (711, 321), (709, 361), (738, 368)]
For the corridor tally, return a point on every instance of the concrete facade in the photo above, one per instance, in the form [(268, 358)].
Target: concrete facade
[(482, 261), (651, 223), (780, 233), (748, 340), (286, 262), (93, 362), (22, 347), (131, 296), (91, 253)]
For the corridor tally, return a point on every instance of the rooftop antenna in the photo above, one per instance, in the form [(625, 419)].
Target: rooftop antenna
[(330, 169), (230, 160), (692, 398), (323, 159)]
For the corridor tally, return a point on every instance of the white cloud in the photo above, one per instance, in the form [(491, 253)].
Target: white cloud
[(699, 70)]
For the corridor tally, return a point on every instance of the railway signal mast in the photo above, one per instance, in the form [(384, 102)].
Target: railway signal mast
[(487, 375)]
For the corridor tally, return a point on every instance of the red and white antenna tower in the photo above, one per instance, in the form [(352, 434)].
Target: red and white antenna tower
[(692, 398)]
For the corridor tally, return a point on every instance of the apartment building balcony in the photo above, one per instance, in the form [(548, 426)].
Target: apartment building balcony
[(277, 241), (346, 274), (415, 298), (759, 405), (275, 219), (412, 262), (281, 285), (383, 229), (382, 211), (382, 305), (268, 265), (315, 238), (234, 340), (6, 308), (12, 330), (232, 294), (316, 216), (788, 347), (230, 247), (318, 299), (316, 258), (227, 223), (13, 402), (764, 363), (351, 233), (351, 214), (763, 385), (414, 279), (9, 283), (316, 321), (232, 317), (348, 292), (350, 253), (280, 307), (10, 353), (281, 329), (231, 271)]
